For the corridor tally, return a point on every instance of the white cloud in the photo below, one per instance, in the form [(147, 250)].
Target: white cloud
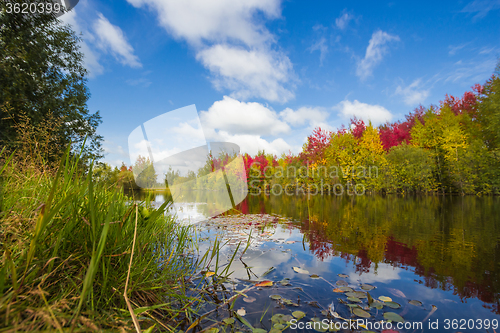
[(200, 21), (114, 154), (248, 73), (248, 143), (481, 7), (111, 39), (231, 42), (342, 21), (320, 46), (453, 49), (105, 37), (251, 144), (384, 273), (141, 149), (486, 50), (473, 71), (413, 94), (252, 126), (376, 113), (314, 116), (375, 52), (186, 130), (235, 117), (139, 82)]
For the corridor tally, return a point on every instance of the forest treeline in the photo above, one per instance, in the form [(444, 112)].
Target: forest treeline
[(453, 147)]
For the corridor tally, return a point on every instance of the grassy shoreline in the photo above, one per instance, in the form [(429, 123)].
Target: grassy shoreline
[(67, 257)]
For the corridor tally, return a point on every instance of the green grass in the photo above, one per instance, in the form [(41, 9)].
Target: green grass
[(66, 244)]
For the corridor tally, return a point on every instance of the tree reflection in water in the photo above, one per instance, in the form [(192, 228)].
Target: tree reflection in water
[(452, 243)]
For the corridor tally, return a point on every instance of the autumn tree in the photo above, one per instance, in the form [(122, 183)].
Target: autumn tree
[(314, 148)]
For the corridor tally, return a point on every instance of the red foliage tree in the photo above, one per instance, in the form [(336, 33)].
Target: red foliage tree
[(394, 134), (467, 103), (315, 146), (358, 127)]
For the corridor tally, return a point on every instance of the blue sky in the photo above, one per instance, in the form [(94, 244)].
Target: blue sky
[(263, 74)]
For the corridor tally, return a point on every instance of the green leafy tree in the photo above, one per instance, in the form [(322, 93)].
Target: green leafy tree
[(145, 173), (409, 169), (489, 110), (42, 75)]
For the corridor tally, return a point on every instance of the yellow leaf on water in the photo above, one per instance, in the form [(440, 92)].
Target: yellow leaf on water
[(385, 299), (208, 274)]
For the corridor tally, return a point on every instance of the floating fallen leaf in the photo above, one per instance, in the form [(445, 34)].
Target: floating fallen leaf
[(314, 276), (265, 284), (318, 325), (367, 287), (275, 297), (354, 299), (393, 317), (290, 242), (259, 330), (228, 321), (338, 290), (392, 305), (241, 312), (208, 274), (300, 270), (341, 283), (361, 313), (213, 330), (249, 299), (289, 302), (345, 289), (343, 275), (415, 302), (278, 318), (298, 314), (285, 282), (385, 299), (377, 305), (358, 294)]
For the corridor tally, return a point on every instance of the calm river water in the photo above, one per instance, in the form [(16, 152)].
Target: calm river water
[(440, 253)]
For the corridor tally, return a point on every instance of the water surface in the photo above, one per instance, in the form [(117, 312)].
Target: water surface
[(440, 251)]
